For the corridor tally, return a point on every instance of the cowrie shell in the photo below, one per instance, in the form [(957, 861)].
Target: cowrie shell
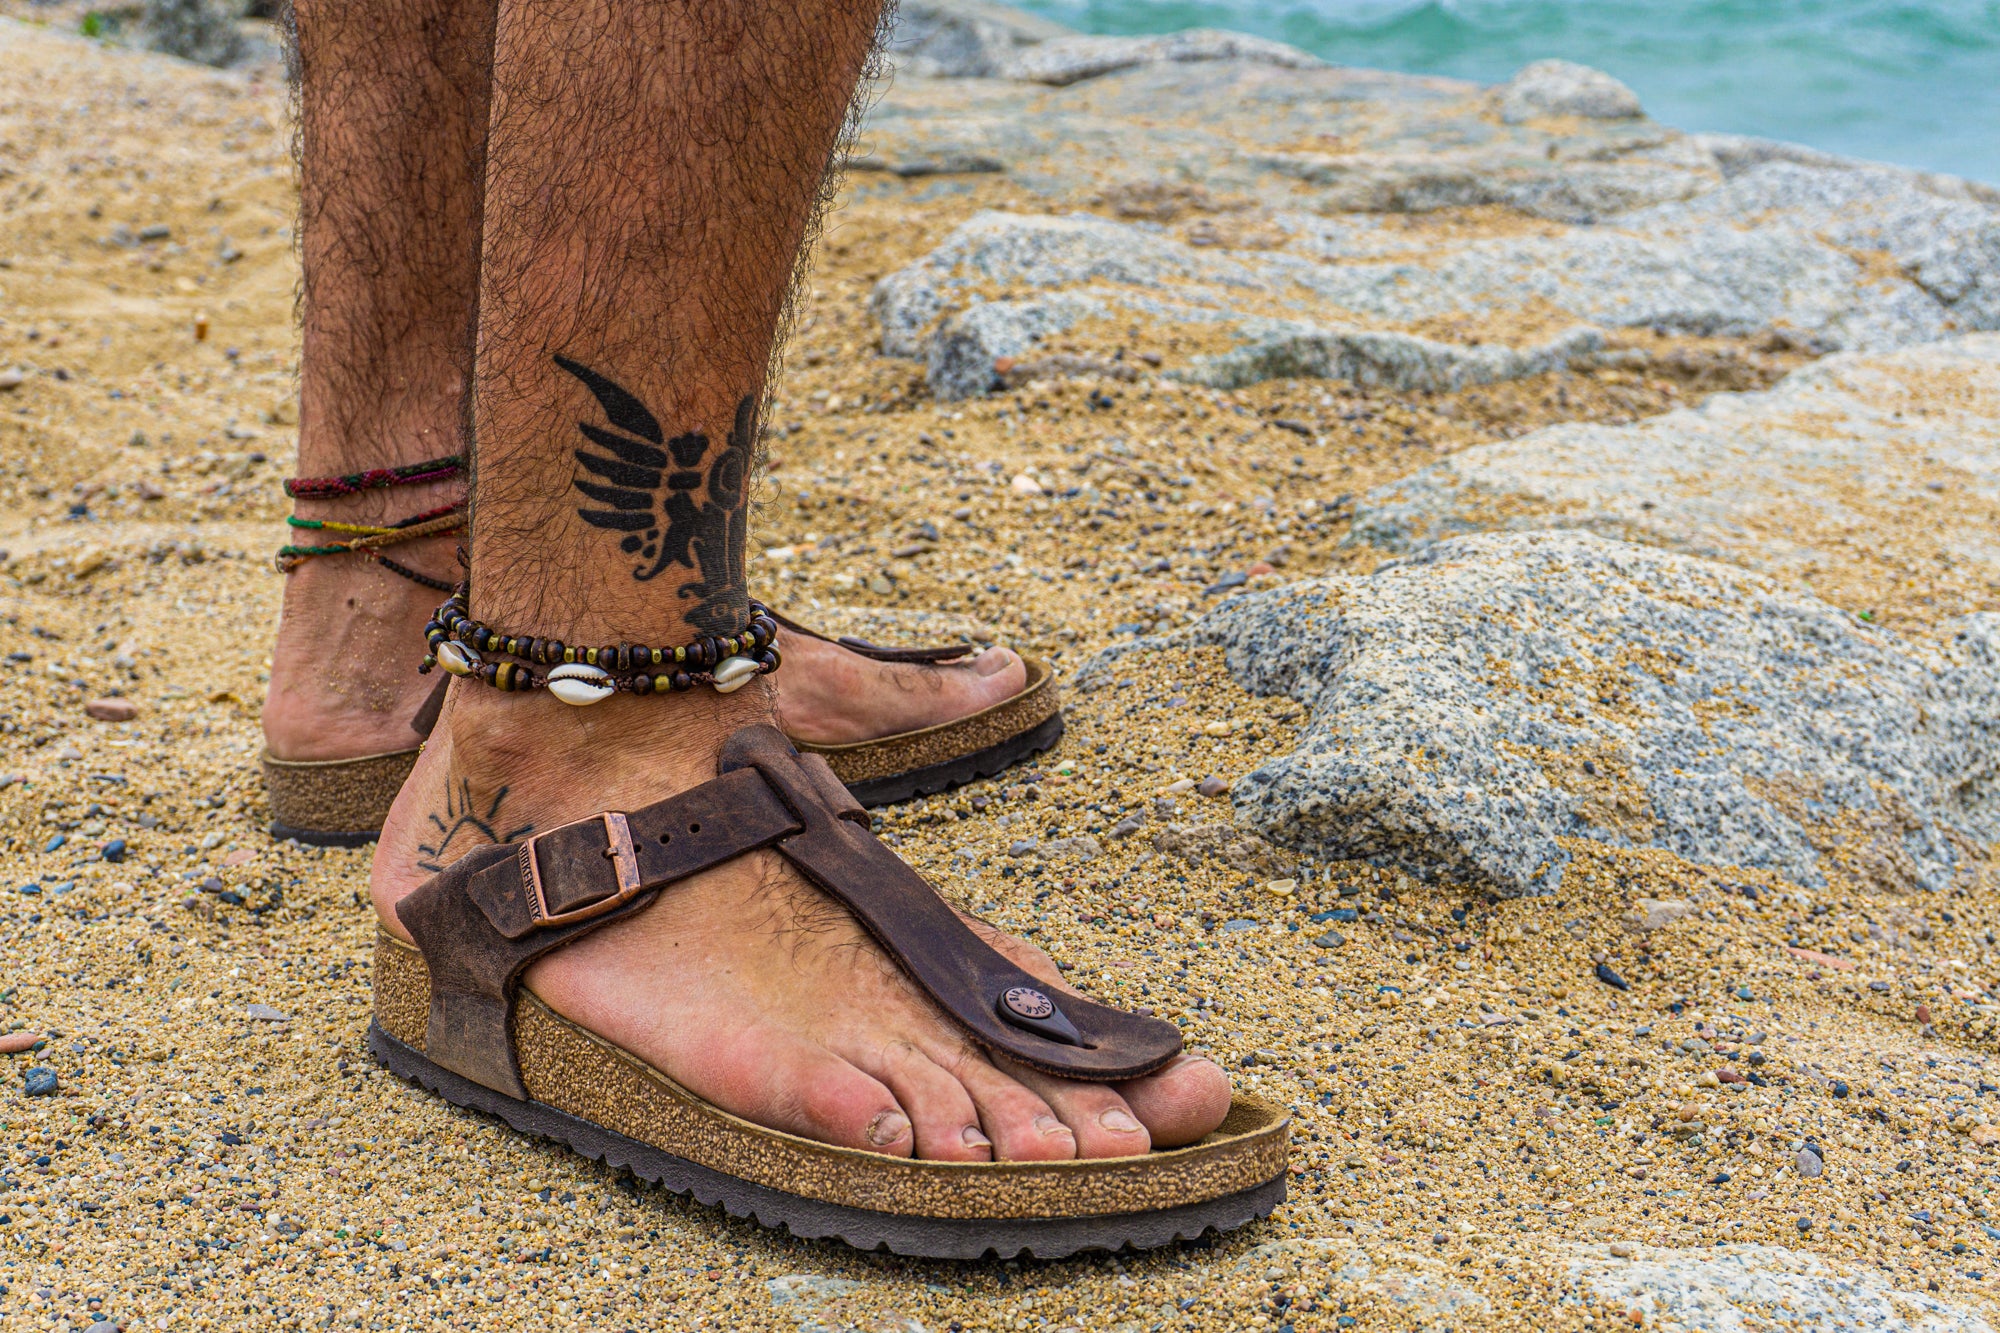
[(732, 674), (580, 684), (457, 658)]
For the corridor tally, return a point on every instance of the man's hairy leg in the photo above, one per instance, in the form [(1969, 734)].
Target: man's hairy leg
[(393, 110), (652, 173)]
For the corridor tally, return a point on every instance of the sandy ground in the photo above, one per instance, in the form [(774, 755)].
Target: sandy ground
[(1475, 1109)]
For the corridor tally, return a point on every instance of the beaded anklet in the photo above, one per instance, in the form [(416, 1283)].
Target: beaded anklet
[(325, 488), (367, 539), (582, 676)]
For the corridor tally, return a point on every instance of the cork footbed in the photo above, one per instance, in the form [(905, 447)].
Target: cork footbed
[(989, 728), (334, 802), (580, 1075), (342, 802)]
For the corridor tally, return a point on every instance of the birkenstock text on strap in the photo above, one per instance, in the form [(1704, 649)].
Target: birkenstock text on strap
[(481, 922)]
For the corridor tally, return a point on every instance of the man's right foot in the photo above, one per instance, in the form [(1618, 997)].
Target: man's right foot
[(344, 679), (744, 983)]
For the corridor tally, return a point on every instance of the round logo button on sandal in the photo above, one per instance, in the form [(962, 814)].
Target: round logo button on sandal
[(1029, 1002)]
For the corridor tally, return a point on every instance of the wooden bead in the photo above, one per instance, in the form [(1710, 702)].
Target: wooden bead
[(642, 684), (682, 681)]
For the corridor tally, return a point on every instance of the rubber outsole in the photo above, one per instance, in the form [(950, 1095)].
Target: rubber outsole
[(934, 778), (810, 1219), (323, 837)]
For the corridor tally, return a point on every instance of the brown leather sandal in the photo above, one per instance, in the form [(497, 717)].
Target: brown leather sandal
[(934, 759), (342, 802), (451, 1014)]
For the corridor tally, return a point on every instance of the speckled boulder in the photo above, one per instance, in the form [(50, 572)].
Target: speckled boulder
[(1563, 88), (1475, 705), (962, 38), (1727, 1288), (1855, 473), (1066, 60)]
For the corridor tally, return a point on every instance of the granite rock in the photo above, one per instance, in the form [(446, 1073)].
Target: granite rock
[(962, 38), (1226, 216), (1066, 60), (1736, 1288), (1476, 704), (197, 30), (1856, 473), (1562, 88)]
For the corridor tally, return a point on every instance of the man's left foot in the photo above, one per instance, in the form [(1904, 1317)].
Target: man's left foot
[(828, 695)]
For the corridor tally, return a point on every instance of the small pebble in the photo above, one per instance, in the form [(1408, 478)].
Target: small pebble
[(13, 1043), (1611, 978), (41, 1081), (1213, 786), (112, 710), (1808, 1163), (114, 850), (264, 1013)]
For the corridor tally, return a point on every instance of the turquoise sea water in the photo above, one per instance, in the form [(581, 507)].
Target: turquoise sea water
[(1917, 84)]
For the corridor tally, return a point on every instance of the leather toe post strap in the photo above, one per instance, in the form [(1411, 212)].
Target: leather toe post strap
[(950, 652), (480, 923)]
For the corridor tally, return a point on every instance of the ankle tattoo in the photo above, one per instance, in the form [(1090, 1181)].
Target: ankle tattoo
[(646, 491), (463, 825)]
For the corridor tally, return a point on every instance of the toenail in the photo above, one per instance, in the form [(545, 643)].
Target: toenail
[(992, 661), (887, 1127), (972, 1138), (1119, 1121), (1048, 1124)]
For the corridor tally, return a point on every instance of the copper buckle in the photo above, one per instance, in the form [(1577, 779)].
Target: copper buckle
[(624, 861)]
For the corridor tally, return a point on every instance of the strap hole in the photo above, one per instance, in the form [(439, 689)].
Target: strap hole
[(666, 838), (694, 828)]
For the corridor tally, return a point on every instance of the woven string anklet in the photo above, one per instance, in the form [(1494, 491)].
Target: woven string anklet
[(580, 676), (366, 540)]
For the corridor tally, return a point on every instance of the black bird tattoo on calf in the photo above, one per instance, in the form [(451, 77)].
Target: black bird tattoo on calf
[(643, 484)]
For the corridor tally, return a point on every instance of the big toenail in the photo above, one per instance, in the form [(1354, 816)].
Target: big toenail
[(887, 1127), (1119, 1121), (972, 1138), (992, 662), (1048, 1124)]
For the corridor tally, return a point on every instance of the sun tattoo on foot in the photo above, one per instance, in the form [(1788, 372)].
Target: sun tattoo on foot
[(461, 827), (646, 491)]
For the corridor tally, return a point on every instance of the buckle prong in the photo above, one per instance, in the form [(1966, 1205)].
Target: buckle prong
[(624, 861)]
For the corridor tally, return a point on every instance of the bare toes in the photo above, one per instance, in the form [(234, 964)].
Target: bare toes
[(804, 1089), (1104, 1124), (941, 1111), (1182, 1102), (1023, 1127)]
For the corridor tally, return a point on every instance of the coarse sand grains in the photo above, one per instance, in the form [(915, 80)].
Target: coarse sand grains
[(1475, 1109)]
